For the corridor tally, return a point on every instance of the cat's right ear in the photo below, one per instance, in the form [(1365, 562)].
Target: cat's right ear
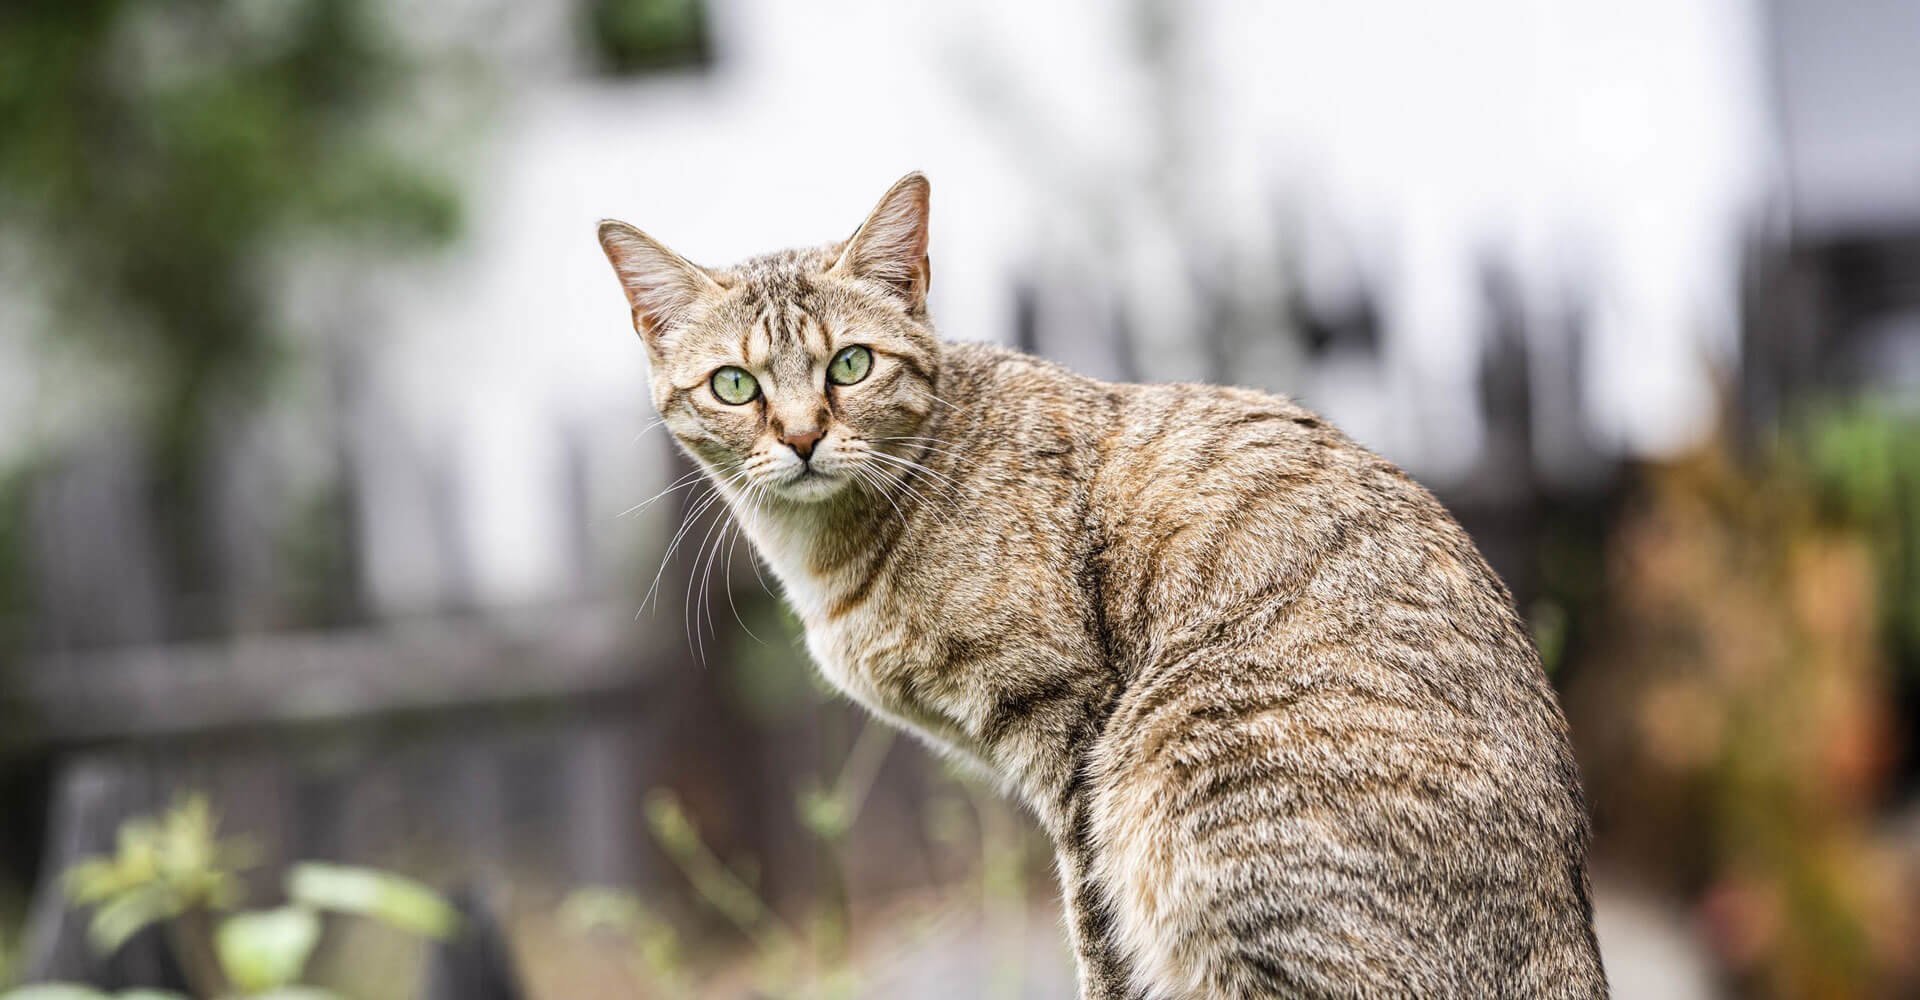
[(661, 285)]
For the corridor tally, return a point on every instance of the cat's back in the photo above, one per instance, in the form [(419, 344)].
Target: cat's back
[(1246, 512), (1337, 758)]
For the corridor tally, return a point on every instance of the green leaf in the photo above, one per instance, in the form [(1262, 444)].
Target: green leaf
[(178, 855), (825, 814), (147, 995), (600, 909), (266, 949), (298, 993), (127, 914), (366, 892)]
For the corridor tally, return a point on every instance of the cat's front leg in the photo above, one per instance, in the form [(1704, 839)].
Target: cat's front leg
[(1103, 970)]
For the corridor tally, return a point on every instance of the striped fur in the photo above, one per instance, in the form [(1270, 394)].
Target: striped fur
[(1274, 710)]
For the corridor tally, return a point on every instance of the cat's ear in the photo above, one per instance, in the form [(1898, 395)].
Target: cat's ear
[(661, 285), (890, 248)]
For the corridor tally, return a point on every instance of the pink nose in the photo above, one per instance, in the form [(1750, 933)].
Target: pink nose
[(802, 442)]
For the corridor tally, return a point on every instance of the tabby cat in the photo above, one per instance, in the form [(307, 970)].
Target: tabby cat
[(1273, 709)]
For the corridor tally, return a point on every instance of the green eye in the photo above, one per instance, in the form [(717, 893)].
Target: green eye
[(849, 366), (734, 385)]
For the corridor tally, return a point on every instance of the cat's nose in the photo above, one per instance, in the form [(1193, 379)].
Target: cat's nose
[(802, 442)]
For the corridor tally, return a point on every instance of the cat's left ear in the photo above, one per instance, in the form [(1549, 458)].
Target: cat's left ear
[(890, 248)]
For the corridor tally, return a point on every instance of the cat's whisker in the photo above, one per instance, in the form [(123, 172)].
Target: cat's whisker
[(667, 553), (690, 616), (753, 557), (866, 476), (929, 394), (682, 483), (729, 523), (921, 468), (890, 485), (725, 523), (643, 431), (695, 509), (907, 463), (702, 567), (915, 437), (901, 481), (920, 444), (930, 444), (752, 490), (934, 445)]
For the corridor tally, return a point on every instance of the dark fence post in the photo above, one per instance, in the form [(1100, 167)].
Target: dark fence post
[(91, 797), (477, 964)]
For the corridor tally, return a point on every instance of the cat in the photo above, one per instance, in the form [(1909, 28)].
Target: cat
[(1273, 709)]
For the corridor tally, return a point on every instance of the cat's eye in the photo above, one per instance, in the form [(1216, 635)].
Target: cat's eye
[(734, 385), (850, 365)]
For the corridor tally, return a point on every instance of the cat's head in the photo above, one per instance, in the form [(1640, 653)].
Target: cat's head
[(783, 374)]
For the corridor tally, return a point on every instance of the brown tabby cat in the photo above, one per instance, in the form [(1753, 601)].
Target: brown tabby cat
[(1262, 692)]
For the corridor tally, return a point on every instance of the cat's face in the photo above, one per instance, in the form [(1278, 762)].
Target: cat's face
[(795, 375)]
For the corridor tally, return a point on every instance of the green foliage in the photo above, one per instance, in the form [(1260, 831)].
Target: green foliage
[(161, 868), (176, 869), (652, 944), (155, 149), (812, 957), (1864, 460), (636, 35), (762, 677), (728, 892), (1548, 620), (1737, 722), (267, 950), (394, 900), (157, 154)]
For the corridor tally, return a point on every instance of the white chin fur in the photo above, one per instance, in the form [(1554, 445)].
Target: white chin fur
[(812, 487)]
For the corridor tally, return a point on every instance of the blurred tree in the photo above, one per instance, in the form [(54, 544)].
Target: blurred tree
[(636, 36), (155, 153)]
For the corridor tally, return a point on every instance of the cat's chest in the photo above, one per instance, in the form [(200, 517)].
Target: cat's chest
[(851, 644), (878, 652)]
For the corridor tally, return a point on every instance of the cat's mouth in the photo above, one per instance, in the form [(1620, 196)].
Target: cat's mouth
[(810, 482)]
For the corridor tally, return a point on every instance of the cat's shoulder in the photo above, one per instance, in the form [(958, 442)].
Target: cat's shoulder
[(988, 361)]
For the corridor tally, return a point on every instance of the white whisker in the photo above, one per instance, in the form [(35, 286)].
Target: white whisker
[(908, 487), (683, 482), (934, 445), (644, 430), (917, 467), (929, 394), (698, 507), (866, 475), (752, 492)]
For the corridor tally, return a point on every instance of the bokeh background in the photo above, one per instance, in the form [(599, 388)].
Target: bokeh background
[(323, 436)]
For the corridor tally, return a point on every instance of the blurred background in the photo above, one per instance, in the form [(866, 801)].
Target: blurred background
[(324, 438)]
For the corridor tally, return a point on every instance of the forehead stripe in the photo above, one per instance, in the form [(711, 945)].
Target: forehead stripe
[(763, 326), (796, 322)]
